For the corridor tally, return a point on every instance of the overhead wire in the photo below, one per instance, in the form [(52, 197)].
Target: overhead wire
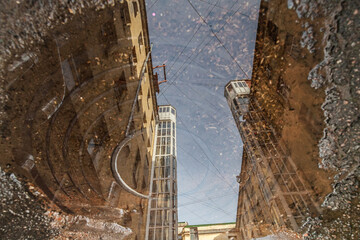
[(224, 8), (214, 207), (182, 51), (185, 67), (204, 41), (175, 76), (189, 58), (186, 170), (222, 44), (153, 4), (194, 213), (198, 94), (204, 200), (211, 162), (216, 174)]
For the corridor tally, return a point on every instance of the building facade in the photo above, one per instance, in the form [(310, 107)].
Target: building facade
[(216, 231), (162, 213), (272, 194), (88, 92)]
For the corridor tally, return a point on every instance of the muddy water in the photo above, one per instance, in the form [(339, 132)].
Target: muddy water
[(59, 85), (66, 110)]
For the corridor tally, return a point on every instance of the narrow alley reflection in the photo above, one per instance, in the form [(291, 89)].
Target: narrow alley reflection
[(180, 120)]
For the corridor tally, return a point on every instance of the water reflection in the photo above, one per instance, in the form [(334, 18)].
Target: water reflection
[(81, 108), (71, 104), (198, 67)]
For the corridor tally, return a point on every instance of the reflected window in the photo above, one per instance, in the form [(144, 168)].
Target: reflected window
[(167, 172), (158, 233), (136, 8), (230, 88), (140, 39), (153, 203), (159, 218), (151, 234), (152, 217)]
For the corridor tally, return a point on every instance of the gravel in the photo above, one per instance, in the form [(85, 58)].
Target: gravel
[(22, 214)]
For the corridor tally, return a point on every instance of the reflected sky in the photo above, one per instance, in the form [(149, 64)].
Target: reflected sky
[(201, 56)]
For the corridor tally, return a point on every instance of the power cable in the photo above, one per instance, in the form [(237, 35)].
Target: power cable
[(216, 174), (203, 200), (214, 207), (202, 149), (193, 212), (186, 170), (182, 51), (222, 44), (203, 41), (153, 4), (224, 8), (175, 78), (198, 94)]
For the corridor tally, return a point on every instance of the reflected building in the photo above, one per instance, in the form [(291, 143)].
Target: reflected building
[(87, 101), (272, 194), (279, 119), (207, 231), (162, 213)]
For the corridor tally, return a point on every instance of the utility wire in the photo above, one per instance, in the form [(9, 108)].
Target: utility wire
[(203, 150), (176, 77), (199, 94), (182, 51), (222, 44), (186, 169), (193, 212), (216, 174), (224, 8), (204, 38), (153, 4), (214, 207), (204, 41), (204, 200)]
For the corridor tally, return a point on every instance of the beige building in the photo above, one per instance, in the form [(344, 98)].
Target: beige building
[(217, 231), (84, 127), (279, 119)]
